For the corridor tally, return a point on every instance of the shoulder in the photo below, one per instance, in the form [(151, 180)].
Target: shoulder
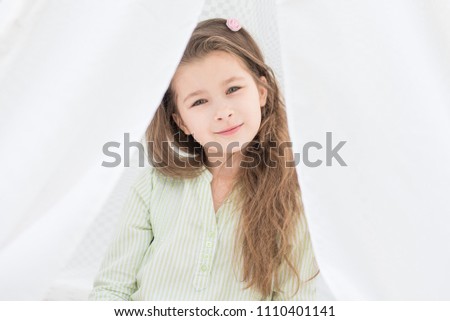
[(149, 179), (144, 179)]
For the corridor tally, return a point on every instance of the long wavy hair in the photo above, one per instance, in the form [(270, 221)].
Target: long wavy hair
[(269, 199)]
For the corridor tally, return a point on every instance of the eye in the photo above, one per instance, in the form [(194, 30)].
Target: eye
[(235, 89), (199, 102)]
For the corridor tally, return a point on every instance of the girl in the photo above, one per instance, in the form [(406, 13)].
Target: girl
[(218, 215)]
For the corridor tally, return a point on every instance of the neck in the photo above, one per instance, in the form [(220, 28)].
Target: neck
[(224, 168)]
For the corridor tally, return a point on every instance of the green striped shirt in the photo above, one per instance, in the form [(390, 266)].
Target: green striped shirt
[(171, 245)]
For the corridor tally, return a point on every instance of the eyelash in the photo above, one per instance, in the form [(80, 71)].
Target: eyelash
[(195, 103)]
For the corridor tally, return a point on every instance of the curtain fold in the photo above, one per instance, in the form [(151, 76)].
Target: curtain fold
[(75, 75), (374, 74)]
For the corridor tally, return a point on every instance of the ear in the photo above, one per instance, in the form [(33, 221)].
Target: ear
[(180, 123), (262, 92)]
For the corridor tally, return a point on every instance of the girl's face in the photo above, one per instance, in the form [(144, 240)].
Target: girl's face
[(214, 94)]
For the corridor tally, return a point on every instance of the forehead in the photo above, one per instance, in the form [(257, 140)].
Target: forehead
[(215, 67)]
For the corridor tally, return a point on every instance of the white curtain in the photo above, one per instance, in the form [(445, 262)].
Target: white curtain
[(75, 75), (375, 74)]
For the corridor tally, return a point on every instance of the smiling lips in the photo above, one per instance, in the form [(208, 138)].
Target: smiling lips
[(230, 130)]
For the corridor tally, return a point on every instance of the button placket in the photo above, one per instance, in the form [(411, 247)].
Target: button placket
[(207, 251), (206, 258)]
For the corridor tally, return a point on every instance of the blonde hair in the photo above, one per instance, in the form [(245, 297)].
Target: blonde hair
[(269, 198)]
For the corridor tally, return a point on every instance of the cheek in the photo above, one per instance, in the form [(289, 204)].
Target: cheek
[(254, 112), (189, 120), (198, 128), (196, 122), (256, 120)]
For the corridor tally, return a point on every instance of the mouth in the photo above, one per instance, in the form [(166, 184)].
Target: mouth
[(230, 130)]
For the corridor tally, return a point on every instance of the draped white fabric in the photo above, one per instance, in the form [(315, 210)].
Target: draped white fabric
[(377, 75), (77, 74)]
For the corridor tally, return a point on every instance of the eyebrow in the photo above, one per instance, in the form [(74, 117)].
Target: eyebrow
[(224, 83)]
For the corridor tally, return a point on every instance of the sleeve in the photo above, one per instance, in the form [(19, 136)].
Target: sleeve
[(116, 279), (304, 259)]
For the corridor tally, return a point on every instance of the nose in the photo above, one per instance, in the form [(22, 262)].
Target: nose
[(223, 113)]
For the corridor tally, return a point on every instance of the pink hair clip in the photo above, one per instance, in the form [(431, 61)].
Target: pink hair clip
[(233, 24)]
